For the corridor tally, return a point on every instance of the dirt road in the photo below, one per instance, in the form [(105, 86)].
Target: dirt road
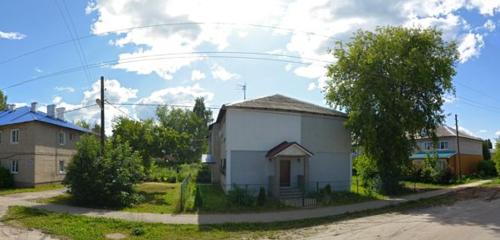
[(476, 216)]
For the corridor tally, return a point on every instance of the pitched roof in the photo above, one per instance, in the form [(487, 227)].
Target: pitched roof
[(279, 102), (284, 145), (447, 131), (24, 114)]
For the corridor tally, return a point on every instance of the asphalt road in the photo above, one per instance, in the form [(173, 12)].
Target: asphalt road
[(477, 218)]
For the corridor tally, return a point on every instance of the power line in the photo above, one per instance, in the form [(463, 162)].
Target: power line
[(289, 30), (158, 105), (117, 108), (119, 61), (76, 43), (79, 108)]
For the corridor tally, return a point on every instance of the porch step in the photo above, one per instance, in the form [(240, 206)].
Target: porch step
[(290, 193)]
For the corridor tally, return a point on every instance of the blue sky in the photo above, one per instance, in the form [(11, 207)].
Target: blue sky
[(299, 28)]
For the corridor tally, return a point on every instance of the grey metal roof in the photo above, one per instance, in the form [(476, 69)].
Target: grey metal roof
[(283, 103), (447, 131)]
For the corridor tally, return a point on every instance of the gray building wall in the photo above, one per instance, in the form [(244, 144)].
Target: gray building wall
[(249, 134)]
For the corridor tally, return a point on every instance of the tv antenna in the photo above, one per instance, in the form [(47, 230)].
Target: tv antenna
[(243, 87)]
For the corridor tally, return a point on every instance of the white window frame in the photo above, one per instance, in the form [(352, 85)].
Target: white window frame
[(12, 136), (63, 134), (427, 145), (441, 147), (61, 170), (14, 166)]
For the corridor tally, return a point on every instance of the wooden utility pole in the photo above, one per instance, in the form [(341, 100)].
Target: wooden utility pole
[(459, 164), (102, 116)]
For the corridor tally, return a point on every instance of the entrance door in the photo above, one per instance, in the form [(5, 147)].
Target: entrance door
[(284, 173)]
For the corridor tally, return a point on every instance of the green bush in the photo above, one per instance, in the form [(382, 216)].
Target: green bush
[(240, 197), (204, 175), (261, 198), (6, 178), (367, 173), (486, 168), (198, 200), (107, 181)]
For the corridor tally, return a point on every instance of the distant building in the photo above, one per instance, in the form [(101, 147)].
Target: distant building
[(280, 144), (35, 146), (471, 151)]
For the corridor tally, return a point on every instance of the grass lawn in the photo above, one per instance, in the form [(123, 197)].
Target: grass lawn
[(6, 191), (215, 201), (82, 227), (158, 198)]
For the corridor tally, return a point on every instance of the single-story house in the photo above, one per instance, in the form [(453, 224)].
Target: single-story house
[(281, 144), (35, 146), (471, 151)]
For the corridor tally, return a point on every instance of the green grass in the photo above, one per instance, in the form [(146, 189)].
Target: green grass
[(215, 201), (82, 227), (158, 198), (32, 189)]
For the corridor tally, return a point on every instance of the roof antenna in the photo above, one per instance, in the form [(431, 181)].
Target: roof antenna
[(243, 87)]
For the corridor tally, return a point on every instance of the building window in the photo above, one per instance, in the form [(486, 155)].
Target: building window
[(223, 167), (14, 136), (0, 136), (443, 145), (427, 145), (14, 166), (71, 136), (61, 166), (62, 138)]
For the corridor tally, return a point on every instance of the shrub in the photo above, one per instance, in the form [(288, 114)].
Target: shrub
[(204, 175), (138, 232), (6, 178), (198, 200), (367, 173), (486, 168), (240, 197), (161, 174), (326, 190), (261, 198), (104, 181)]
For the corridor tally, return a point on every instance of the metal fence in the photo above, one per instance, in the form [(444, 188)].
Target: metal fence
[(184, 193)]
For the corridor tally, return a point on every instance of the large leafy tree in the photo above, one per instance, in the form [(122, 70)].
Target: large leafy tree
[(391, 82), (3, 101), (139, 135), (487, 145)]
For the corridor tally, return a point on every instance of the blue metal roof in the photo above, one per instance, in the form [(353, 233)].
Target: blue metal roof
[(441, 154), (24, 114)]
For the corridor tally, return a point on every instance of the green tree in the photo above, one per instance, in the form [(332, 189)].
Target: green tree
[(83, 124), (391, 83), (496, 155), (486, 149), (3, 101), (106, 181), (139, 135), (187, 125)]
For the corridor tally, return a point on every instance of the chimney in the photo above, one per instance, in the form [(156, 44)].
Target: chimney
[(51, 110), (11, 107), (34, 106), (60, 113)]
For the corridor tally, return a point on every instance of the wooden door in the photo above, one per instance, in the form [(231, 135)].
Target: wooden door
[(284, 173)]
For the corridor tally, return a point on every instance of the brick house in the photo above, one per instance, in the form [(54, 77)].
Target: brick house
[(35, 146)]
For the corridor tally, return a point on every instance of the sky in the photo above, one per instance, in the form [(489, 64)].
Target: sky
[(172, 51)]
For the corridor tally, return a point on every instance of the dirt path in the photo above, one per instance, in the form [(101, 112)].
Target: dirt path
[(477, 216)]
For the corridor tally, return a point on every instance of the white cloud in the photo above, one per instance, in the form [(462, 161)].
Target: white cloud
[(497, 133), (11, 35), (197, 75), (483, 131), (316, 24), (470, 46), (219, 72), (489, 25), (183, 96), (64, 89), (38, 70), (311, 86), (449, 98)]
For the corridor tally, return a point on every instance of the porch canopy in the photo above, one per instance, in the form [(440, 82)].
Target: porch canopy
[(283, 156)]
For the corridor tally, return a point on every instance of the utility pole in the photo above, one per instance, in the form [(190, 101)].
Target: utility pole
[(102, 115), (459, 172), (244, 88)]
